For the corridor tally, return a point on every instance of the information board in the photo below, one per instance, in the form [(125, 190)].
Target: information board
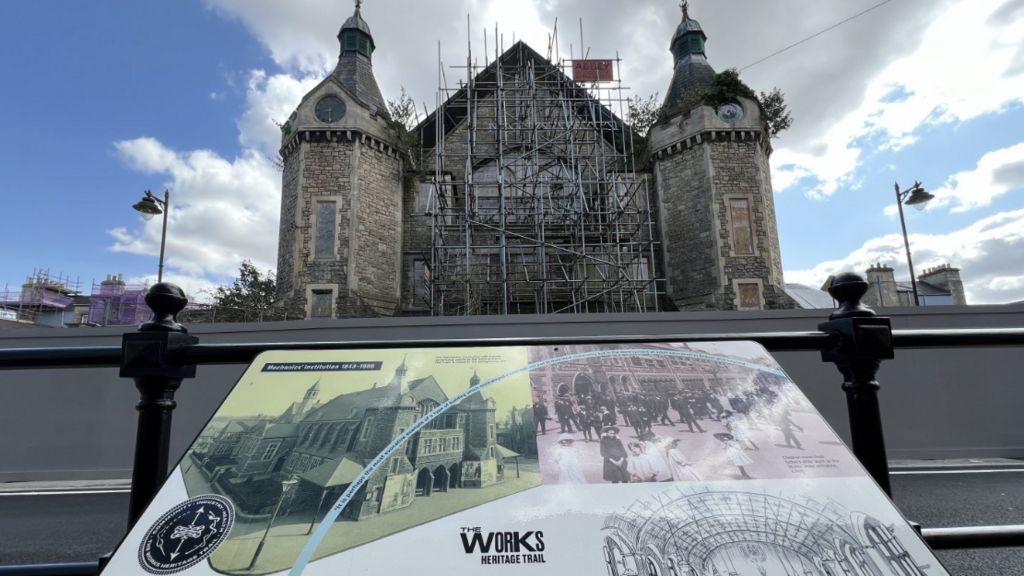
[(696, 459)]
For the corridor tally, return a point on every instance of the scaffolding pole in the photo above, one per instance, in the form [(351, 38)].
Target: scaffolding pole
[(536, 203)]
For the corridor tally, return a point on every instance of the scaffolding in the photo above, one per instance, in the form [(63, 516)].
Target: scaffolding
[(536, 203), (43, 299), (115, 303)]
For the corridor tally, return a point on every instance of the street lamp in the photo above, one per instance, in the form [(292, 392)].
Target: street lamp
[(286, 487), (150, 206), (917, 197)]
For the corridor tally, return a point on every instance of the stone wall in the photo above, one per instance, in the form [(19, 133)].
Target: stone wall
[(689, 240), (324, 173), (377, 238), (740, 170)]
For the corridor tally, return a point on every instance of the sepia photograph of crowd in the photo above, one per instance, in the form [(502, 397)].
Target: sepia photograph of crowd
[(676, 412)]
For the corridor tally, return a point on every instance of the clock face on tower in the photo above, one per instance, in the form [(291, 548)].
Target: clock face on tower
[(730, 113), (330, 109)]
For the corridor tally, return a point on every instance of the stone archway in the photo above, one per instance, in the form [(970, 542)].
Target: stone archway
[(454, 476), (424, 482), (582, 385), (440, 479)]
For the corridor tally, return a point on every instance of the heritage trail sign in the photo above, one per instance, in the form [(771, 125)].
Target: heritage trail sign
[(697, 459)]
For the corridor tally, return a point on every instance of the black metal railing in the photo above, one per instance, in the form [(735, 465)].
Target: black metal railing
[(161, 354)]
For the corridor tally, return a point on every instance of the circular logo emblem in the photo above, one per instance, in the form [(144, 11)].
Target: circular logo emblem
[(187, 534)]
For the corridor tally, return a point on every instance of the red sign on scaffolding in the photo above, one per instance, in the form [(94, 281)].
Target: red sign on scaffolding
[(593, 71)]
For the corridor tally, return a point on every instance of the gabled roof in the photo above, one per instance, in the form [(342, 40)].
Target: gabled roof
[(281, 431), (351, 406), (333, 473), (454, 109)]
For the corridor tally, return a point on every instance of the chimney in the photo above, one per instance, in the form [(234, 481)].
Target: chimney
[(881, 287), (947, 278)]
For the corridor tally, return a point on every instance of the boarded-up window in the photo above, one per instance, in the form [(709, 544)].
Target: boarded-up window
[(748, 297), (739, 217), (322, 305), (423, 193), (420, 283), (326, 223)]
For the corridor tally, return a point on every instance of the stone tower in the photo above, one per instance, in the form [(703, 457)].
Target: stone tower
[(717, 212), (339, 250)]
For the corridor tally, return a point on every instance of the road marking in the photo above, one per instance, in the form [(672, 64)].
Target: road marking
[(66, 492), (962, 471)]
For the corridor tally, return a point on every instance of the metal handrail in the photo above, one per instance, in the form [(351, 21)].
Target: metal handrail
[(161, 355), (240, 353)]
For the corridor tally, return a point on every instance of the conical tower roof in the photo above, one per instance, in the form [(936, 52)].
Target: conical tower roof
[(355, 65), (692, 71)]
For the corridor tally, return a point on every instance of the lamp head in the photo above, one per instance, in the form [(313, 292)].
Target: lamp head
[(918, 196), (149, 206)]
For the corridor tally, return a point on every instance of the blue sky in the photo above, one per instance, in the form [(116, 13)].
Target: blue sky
[(106, 99)]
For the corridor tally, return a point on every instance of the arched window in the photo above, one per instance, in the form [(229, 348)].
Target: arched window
[(652, 567), (424, 408)]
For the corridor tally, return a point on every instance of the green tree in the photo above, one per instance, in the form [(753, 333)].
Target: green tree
[(248, 298), (642, 113), (403, 122), (776, 114)]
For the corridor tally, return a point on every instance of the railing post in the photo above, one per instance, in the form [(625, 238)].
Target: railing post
[(145, 357), (863, 341)]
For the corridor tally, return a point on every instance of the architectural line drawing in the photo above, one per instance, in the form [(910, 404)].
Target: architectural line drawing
[(712, 532)]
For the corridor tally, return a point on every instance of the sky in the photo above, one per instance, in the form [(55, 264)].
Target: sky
[(104, 100)]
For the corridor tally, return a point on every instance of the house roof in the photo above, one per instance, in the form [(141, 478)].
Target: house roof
[(352, 405), (281, 431), (506, 453), (923, 288), (454, 110), (333, 473), (809, 298)]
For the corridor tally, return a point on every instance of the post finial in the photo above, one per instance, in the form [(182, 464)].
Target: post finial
[(359, 4), (684, 5)]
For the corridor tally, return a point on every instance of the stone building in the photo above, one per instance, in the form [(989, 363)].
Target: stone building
[(522, 193), (326, 445), (939, 286)]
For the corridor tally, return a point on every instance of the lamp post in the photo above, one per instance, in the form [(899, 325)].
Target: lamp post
[(286, 487), (917, 197), (150, 206)]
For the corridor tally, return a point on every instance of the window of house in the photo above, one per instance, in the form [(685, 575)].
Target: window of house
[(367, 428), (326, 224), (322, 305), (270, 451), (422, 202), (739, 220), (393, 469), (748, 296)]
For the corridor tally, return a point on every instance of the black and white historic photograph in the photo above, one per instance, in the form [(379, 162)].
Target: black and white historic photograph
[(722, 531), (294, 436), (676, 412)]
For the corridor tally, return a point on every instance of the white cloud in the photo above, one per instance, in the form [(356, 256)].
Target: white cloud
[(997, 173), (270, 101), (988, 253), (222, 211), (966, 65)]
